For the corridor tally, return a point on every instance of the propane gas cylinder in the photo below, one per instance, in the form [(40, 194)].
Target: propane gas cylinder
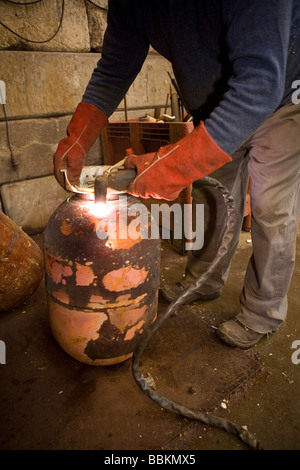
[(21, 265), (101, 280)]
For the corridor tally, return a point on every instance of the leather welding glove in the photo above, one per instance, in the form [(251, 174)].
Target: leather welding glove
[(84, 128), (164, 174)]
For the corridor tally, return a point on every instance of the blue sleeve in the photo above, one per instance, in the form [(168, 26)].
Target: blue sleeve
[(257, 37), (123, 54)]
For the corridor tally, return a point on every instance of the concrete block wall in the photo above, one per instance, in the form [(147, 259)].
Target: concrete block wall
[(44, 83)]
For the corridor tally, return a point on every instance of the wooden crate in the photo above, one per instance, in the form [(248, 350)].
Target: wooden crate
[(142, 137)]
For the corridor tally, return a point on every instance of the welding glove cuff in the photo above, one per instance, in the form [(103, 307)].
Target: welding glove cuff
[(84, 128), (164, 174)]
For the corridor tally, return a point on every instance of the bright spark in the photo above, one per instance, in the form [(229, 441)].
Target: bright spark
[(98, 209)]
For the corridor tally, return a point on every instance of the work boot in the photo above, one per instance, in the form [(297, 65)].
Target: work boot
[(235, 334), (173, 290)]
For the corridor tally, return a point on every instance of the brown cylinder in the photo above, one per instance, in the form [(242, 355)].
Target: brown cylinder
[(21, 265), (102, 288)]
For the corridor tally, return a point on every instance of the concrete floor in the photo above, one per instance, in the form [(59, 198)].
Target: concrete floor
[(51, 401)]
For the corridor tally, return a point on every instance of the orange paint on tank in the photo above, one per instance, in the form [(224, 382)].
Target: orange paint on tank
[(124, 244), (124, 299), (121, 318), (84, 275), (98, 299), (73, 333), (124, 278), (58, 271), (127, 300), (99, 302), (66, 228), (122, 239), (61, 296), (133, 331)]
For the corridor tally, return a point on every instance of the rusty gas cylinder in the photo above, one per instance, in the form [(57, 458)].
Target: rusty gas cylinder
[(21, 265), (101, 281)]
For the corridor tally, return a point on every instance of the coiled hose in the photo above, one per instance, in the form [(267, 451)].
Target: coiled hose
[(164, 402)]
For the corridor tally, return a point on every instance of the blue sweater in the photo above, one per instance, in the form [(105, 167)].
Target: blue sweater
[(234, 60)]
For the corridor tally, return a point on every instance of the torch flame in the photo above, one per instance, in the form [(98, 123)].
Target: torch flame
[(99, 209)]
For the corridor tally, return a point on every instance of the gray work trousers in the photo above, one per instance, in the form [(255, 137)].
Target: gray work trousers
[(271, 157)]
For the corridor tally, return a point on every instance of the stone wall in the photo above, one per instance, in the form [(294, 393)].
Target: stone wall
[(44, 82), (77, 25)]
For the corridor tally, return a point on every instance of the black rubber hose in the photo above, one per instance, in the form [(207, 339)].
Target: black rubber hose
[(163, 402)]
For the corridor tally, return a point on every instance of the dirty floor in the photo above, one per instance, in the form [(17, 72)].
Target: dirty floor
[(50, 401)]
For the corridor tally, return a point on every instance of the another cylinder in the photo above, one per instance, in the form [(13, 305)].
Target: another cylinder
[(21, 265)]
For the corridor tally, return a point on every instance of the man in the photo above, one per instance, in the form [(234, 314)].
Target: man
[(236, 63)]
